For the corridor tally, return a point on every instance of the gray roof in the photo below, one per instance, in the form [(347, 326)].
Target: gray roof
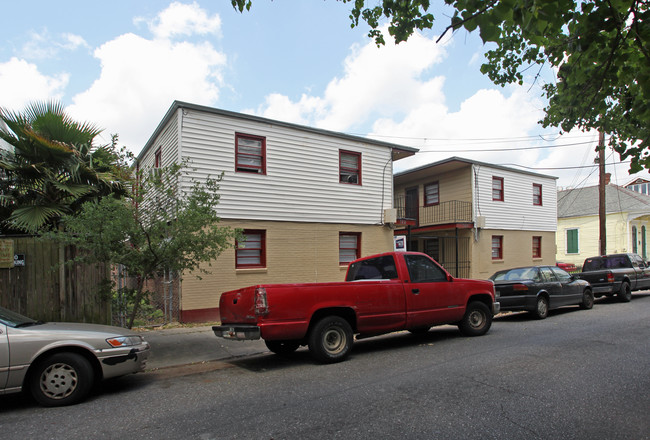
[(408, 151), (584, 201)]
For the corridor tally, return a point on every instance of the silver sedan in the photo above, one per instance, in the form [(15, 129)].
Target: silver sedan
[(58, 363)]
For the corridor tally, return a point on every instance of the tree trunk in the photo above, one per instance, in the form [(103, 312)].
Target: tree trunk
[(137, 300)]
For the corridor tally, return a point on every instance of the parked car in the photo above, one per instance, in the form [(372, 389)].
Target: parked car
[(538, 289), (616, 274), (58, 363), (568, 267), (381, 294)]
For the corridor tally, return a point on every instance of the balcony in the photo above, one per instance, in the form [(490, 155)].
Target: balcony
[(445, 213)]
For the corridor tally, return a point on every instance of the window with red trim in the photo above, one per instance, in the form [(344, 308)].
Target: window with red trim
[(537, 194), (497, 247), (251, 250), (497, 189), (349, 167), (157, 161), (537, 247), (431, 194), (250, 154), (349, 246)]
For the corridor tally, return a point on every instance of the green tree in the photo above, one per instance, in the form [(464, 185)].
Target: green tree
[(162, 226), (600, 50), (52, 168)]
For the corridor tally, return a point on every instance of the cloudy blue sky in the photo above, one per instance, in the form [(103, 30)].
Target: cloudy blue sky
[(120, 64)]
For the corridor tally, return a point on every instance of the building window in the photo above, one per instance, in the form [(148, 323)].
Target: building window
[(572, 241), (157, 158), (431, 194), (251, 250), (349, 247), (250, 152), (497, 189), (537, 194), (537, 247), (350, 167), (497, 247)]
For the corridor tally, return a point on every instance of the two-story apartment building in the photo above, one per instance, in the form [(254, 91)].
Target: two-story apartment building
[(308, 200), (476, 218)]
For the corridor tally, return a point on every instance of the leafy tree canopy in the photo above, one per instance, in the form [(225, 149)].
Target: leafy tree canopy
[(600, 50)]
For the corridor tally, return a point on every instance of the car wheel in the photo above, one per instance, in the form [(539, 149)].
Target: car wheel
[(282, 348), (541, 308), (587, 300), (477, 319), (330, 340), (61, 379), (625, 294)]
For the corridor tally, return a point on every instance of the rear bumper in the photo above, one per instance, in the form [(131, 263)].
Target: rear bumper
[(239, 332)]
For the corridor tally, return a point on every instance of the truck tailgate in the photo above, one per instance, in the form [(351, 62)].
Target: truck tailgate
[(238, 306)]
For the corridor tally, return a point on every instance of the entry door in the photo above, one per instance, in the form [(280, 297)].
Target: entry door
[(411, 204)]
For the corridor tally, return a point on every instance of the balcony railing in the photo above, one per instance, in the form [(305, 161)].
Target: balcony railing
[(454, 211)]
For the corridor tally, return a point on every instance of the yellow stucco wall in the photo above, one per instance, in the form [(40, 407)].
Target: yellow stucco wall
[(295, 252)]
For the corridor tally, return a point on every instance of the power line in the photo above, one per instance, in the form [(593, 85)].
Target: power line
[(505, 149)]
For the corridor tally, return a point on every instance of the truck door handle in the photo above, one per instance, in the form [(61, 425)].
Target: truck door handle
[(415, 291)]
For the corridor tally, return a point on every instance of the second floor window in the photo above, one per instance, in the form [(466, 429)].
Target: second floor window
[(537, 247), (157, 160), (250, 154), (497, 247), (250, 250), (537, 194), (350, 167), (497, 189), (431, 194)]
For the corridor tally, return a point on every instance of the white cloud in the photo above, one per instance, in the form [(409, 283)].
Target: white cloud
[(183, 19), (41, 45), (21, 83)]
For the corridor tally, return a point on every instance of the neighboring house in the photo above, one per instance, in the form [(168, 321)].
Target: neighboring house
[(476, 218), (628, 220), (309, 200), (3, 144), (639, 185)]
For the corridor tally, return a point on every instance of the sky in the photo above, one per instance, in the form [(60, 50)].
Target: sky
[(120, 64)]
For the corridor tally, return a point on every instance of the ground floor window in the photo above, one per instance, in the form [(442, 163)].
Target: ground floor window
[(572, 241), (537, 247), (251, 249), (497, 247), (349, 247)]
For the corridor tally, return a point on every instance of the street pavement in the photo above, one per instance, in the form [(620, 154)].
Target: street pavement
[(175, 347)]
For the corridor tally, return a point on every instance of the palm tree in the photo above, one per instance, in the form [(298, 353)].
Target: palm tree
[(50, 171)]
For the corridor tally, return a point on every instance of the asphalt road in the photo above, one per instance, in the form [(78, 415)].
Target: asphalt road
[(576, 375)]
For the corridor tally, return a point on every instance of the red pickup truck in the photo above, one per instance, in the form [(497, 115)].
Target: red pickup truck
[(381, 294)]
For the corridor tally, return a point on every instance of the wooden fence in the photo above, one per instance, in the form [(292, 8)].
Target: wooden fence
[(39, 287)]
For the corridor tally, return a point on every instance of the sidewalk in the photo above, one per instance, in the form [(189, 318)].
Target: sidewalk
[(189, 345)]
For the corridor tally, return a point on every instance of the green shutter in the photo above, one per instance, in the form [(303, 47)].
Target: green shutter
[(572, 241)]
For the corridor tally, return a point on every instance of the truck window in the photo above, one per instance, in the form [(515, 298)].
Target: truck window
[(423, 270), (380, 268)]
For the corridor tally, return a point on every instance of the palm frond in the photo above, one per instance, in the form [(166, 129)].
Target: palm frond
[(32, 218)]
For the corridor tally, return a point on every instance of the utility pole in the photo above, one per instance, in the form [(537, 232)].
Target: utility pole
[(602, 212)]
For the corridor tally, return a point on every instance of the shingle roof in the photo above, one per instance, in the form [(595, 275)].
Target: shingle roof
[(584, 201)]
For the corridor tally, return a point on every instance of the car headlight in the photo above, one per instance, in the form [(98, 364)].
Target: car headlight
[(124, 341)]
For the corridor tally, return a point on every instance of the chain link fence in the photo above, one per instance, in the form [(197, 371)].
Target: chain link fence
[(160, 303)]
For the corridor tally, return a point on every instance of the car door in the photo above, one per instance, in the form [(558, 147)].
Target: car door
[(552, 286), (642, 273), (570, 290), (429, 294), (4, 356)]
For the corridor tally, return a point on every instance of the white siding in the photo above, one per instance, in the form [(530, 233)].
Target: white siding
[(517, 211), (302, 172)]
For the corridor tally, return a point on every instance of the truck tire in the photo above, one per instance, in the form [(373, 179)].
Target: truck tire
[(477, 319), (625, 294), (61, 379), (587, 300), (330, 340), (282, 348), (541, 308)]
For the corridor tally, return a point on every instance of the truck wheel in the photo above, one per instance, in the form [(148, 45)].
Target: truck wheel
[(330, 340), (61, 379), (541, 308), (477, 319), (587, 300), (282, 348), (625, 294)]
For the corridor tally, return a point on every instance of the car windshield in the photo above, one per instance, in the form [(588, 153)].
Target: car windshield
[(520, 274), (13, 319)]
